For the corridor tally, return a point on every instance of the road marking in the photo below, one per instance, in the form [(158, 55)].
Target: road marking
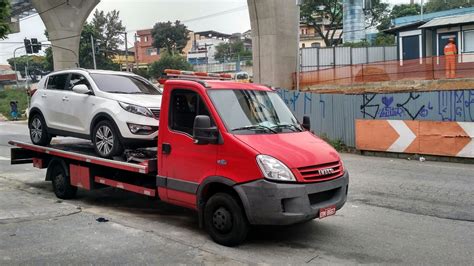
[(4, 158)]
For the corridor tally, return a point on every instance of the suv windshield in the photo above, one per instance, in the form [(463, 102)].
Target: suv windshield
[(123, 84), (253, 112)]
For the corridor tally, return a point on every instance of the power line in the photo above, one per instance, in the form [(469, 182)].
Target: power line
[(217, 14)]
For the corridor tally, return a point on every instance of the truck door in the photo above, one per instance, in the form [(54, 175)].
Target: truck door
[(185, 163)]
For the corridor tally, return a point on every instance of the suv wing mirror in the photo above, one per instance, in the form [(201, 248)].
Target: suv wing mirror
[(203, 133), (81, 89), (306, 123)]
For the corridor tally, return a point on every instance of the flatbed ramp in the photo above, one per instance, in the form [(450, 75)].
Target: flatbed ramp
[(86, 170), (80, 152)]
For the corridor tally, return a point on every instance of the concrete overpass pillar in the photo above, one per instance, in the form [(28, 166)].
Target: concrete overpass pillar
[(64, 20), (274, 32)]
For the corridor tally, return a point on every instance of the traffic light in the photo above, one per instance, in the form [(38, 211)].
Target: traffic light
[(35, 45), (28, 47)]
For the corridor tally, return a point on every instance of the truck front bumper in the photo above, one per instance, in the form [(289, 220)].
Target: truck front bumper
[(270, 203)]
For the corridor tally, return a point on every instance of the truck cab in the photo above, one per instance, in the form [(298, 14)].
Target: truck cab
[(235, 153)]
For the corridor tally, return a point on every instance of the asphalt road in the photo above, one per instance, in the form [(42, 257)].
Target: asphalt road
[(398, 212)]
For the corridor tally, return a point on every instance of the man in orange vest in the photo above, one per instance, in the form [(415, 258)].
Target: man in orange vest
[(450, 52)]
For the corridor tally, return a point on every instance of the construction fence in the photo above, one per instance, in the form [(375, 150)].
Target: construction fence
[(429, 68)]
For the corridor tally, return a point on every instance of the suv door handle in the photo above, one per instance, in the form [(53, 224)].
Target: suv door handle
[(44, 95), (65, 98)]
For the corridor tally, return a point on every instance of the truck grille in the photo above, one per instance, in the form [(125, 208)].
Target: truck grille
[(321, 172), (156, 112)]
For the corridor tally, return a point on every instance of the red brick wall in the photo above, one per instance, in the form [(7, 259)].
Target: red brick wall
[(144, 42)]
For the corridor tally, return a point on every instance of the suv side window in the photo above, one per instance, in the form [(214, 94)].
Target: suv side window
[(57, 82), (185, 105), (77, 79)]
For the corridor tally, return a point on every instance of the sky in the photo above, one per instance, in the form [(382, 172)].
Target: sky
[(198, 15)]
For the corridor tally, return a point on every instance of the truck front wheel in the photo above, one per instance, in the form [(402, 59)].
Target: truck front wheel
[(224, 220)]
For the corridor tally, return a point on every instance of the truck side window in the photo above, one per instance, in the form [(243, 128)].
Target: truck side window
[(185, 105)]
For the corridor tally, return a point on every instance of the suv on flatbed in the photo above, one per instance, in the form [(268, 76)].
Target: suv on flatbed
[(115, 110)]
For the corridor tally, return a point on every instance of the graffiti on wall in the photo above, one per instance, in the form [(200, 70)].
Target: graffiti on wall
[(446, 106), (456, 105), (385, 106)]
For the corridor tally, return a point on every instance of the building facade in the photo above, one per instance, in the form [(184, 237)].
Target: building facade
[(419, 37), (145, 53)]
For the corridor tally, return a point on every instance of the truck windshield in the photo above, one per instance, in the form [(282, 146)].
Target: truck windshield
[(123, 84), (253, 112)]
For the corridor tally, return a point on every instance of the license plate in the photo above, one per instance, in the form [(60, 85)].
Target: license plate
[(327, 211)]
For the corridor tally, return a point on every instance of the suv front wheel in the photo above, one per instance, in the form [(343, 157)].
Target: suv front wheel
[(38, 132), (106, 140)]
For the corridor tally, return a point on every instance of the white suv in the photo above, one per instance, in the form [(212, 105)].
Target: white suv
[(115, 110)]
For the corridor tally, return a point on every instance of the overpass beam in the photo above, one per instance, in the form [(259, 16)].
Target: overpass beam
[(64, 20), (274, 40)]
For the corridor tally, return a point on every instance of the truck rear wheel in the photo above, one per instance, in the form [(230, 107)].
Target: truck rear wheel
[(224, 220), (61, 183)]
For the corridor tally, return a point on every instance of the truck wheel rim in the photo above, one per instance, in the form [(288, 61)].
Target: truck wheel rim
[(104, 140), (222, 220), (36, 129)]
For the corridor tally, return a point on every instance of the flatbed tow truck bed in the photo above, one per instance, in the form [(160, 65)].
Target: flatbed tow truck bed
[(88, 171)]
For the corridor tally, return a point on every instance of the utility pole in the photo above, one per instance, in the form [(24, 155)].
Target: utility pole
[(93, 52), (126, 52), (298, 5), (422, 4), (136, 51)]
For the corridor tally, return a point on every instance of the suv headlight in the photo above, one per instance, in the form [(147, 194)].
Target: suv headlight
[(135, 109), (273, 169)]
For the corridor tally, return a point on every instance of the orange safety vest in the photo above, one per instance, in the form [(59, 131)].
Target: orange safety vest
[(450, 49)]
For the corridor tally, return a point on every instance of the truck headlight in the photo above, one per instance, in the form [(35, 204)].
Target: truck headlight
[(135, 109), (273, 169)]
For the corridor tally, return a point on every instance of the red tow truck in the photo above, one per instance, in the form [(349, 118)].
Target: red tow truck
[(231, 151)]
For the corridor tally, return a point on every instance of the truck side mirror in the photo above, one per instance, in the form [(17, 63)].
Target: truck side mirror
[(203, 132), (306, 123)]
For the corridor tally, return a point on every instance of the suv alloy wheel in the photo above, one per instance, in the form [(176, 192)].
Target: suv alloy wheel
[(106, 139), (38, 133)]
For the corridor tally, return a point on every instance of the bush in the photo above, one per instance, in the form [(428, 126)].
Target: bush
[(338, 144), (9, 95), (168, 61)]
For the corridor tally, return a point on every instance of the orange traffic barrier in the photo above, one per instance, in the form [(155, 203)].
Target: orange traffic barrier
[(422, 137)]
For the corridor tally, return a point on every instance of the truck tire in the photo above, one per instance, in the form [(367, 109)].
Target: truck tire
[(38, 132), (106, 140), (224, 220), (61, 183)]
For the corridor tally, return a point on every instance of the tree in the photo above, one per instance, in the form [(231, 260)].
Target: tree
[(171, 36), (325, 16), (5, 10), (168, 61), (397, 12), (440, 5), (35, 64), (231, 51), (383, 39), (108, 28)]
